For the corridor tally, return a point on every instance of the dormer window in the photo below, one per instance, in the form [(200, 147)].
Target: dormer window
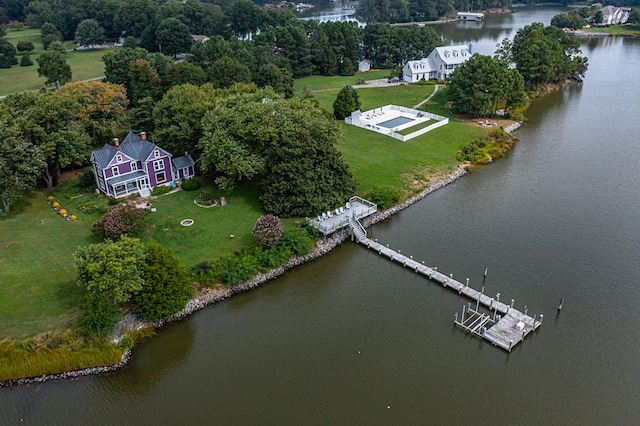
[(156, 153), (119, 158)]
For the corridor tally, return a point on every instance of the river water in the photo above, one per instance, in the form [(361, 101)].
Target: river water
[(354, 339)]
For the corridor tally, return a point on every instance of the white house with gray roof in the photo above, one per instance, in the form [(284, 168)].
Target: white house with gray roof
[(137, 166), (440, 63)]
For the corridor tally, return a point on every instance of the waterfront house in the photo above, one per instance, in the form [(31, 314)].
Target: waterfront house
[(137, 166), (612, 15), (440, 63)]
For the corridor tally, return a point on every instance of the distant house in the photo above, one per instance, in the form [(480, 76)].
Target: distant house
[(470, 16), (364, 65), (199, 38), (612, 15), (440, 63), (137, 166)]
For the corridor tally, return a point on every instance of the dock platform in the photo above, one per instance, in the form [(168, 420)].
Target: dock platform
[(503, 326)]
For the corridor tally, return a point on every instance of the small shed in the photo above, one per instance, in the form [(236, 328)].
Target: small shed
[(364, 65)]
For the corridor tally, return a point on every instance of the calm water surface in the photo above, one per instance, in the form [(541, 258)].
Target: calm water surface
[(355, 339)]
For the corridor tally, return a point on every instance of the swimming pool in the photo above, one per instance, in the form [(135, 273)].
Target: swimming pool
[(395, 122)]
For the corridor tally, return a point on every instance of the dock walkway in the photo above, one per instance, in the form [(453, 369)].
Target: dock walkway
[(504, 326)]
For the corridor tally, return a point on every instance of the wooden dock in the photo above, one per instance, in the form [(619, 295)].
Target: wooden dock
[(503, 325)]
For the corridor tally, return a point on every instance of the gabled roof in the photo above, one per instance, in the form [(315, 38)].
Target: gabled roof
[(182, 162), (453, 55), (132, 146), (104, 156), (136, 147)]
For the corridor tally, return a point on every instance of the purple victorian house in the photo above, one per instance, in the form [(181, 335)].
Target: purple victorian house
[(137, 166)]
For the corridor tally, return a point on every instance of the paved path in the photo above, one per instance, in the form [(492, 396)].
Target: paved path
[(435, 90)]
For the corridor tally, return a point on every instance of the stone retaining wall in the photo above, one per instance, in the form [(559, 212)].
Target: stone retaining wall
[(133, 322)]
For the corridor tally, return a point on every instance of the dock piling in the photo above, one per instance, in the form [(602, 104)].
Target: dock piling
[(560, 305)]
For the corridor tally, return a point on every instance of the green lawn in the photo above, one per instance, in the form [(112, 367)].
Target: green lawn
[(319, 82), (626, 29), (85, 64), (37, 280)]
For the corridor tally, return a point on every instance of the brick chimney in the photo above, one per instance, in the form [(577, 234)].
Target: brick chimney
[(143, 135), (116, 142)]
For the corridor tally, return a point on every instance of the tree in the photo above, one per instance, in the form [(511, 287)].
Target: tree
[(54, 68), (50, 29), (100, 107), (346, 102), (24, 46), (21, 162), (279, 79), (227, 71), (57, 46), (25, 60), (183, 73), (244, 16), (134, 16), (50, 123), (178, 117), (89, 33), (289, 143), (166, 288), (98, 314), (129, 43), (8, 52), (598, 17), (144, 82), (111, 268), (546, 54), (267, 230), (120, 220), (479, 84), (173, 37)]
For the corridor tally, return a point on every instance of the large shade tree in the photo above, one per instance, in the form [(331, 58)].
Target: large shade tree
[(53, 67), (166, 287), (113, 268), (479, 84), (173, 37), (89, 33), (288, 143), (21, 162)]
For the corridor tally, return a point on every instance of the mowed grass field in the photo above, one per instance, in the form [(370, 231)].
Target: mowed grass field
[(85, 64), (319, 82), (37, 277)]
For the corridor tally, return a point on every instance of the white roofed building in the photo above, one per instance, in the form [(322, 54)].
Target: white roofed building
[(440, 63)]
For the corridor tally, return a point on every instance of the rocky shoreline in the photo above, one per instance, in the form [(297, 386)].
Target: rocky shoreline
[(212, 296)]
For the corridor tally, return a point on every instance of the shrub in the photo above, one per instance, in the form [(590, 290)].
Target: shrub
[(159, 190), (88, 207), (87, 180), (24, 46), (25, 60), (190, 185), (113, 201), (122, 219), (384, 196), (55, 205), (51, 198), (298, 241), (204, 199), (74, 217), (62, 212), (267, 230)]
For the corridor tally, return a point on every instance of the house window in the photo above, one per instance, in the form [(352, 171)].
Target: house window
[(158, 165), (160, 177), (115, 171), (156, 153), (119, 158), (134, 166)]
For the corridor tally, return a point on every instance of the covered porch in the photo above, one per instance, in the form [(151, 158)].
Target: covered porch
[(131, 183)]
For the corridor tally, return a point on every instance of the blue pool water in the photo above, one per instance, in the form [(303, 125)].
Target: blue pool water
[(398, 121)]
